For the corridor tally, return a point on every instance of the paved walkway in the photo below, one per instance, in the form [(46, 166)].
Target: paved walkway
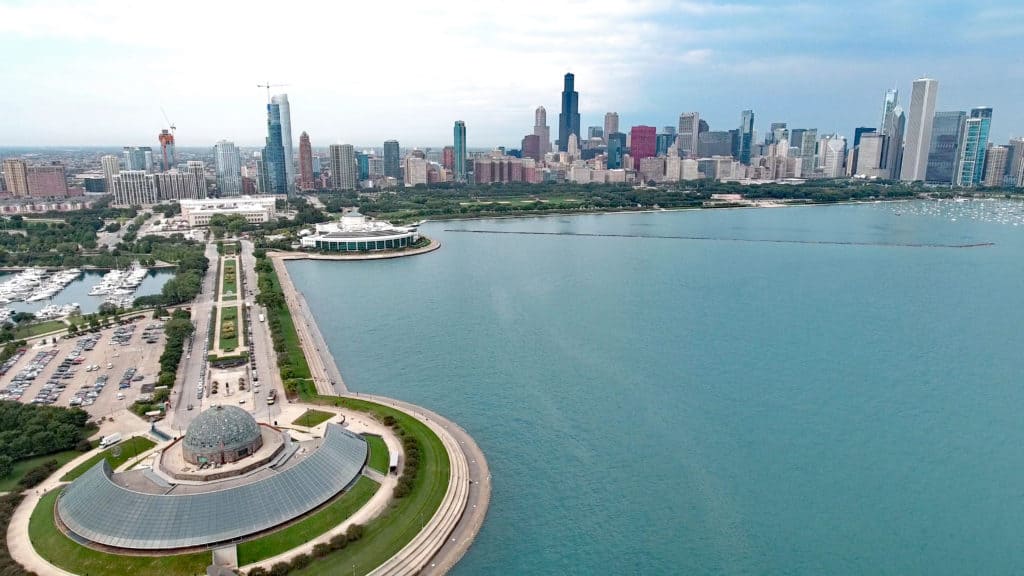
[(326, 375)]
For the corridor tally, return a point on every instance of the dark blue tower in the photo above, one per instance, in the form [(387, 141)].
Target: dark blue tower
[(569, 117), (273, 153)]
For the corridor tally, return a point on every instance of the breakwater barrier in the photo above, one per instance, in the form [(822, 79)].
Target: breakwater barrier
[(732, 239)]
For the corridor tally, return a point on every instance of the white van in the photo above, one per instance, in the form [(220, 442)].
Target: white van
[(110, 440)]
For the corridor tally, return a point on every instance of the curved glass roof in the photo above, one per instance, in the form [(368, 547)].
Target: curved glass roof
[(97, 509), (222, 427)]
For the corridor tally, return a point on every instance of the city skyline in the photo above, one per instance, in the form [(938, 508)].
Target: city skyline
[(688, 59)]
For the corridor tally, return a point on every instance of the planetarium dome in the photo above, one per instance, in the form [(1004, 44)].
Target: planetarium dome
[(221, 434)]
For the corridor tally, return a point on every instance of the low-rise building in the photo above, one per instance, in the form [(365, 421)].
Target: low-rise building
[(255, 209), (357, 233)]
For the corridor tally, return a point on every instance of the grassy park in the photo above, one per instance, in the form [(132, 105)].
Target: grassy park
[(312, 418), (230, 328), (33, 330), (125, 450), (388, 533), (379, 455), (19, 468), (310, 527), (230, 285)]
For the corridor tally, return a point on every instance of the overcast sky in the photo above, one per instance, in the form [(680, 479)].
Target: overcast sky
[(98, 71)]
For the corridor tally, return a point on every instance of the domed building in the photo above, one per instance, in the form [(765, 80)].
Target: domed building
[(221, 435)]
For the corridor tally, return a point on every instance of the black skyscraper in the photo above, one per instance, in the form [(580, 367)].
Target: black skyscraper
[(569, 118)]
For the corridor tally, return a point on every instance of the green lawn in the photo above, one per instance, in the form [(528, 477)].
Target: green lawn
[(312, 417), (311, 527), (379, 456), (388, 533), (60, 550), (229, 314), (10, 482), (129, 448), (230, 277), (39, 328)]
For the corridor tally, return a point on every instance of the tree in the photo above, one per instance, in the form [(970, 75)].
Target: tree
[(72, 329)]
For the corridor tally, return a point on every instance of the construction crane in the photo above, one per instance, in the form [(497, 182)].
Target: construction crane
[(166, 138), (268, 86)]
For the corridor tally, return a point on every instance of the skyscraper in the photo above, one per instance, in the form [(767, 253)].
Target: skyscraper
[(541, 129), (688, 138), (448, 156), (919, 130), (663, 143), (858, 133), (611, 124), (273, 154), (943, 151), (392, 164), (746, 136), (832, 154), (1017, 162), (138, 158), (973, 144), (894, 147), (569, 118), (996, 158), (890, 101), (111, 167), (459, 166), (531, 147), (808, 143), (16, 176), (228, 164), (306, 181), (343, 166), (642, 143), (616, 148), (286, 139), (868, 156), (776, 133), (166, 140)]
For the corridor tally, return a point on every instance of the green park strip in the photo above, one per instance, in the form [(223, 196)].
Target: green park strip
[(312, 417), (230, 328), (339, 510), (385, 535), (230, 286), (125, 451), (291, 359), (19, 468), (379, 455), (38, 328), (61, 551)]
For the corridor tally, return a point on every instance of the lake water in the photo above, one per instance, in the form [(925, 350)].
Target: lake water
[(668, 406), (78, 291)]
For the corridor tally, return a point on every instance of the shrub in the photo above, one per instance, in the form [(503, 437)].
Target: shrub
[(322, 549), (83, 445), (389, 420), (355, 532), (301, 561), (258, 571), (338, 541), (36, 475), (280, 569)]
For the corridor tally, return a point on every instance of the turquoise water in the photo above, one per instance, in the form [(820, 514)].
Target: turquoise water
[(658, 406)]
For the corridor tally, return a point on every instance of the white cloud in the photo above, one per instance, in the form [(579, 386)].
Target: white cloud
[(357, 71)]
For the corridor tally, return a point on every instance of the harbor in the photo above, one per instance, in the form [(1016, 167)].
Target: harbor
[(17, 290)]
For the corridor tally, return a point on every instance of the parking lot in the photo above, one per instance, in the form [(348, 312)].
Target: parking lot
[(103, 372)]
